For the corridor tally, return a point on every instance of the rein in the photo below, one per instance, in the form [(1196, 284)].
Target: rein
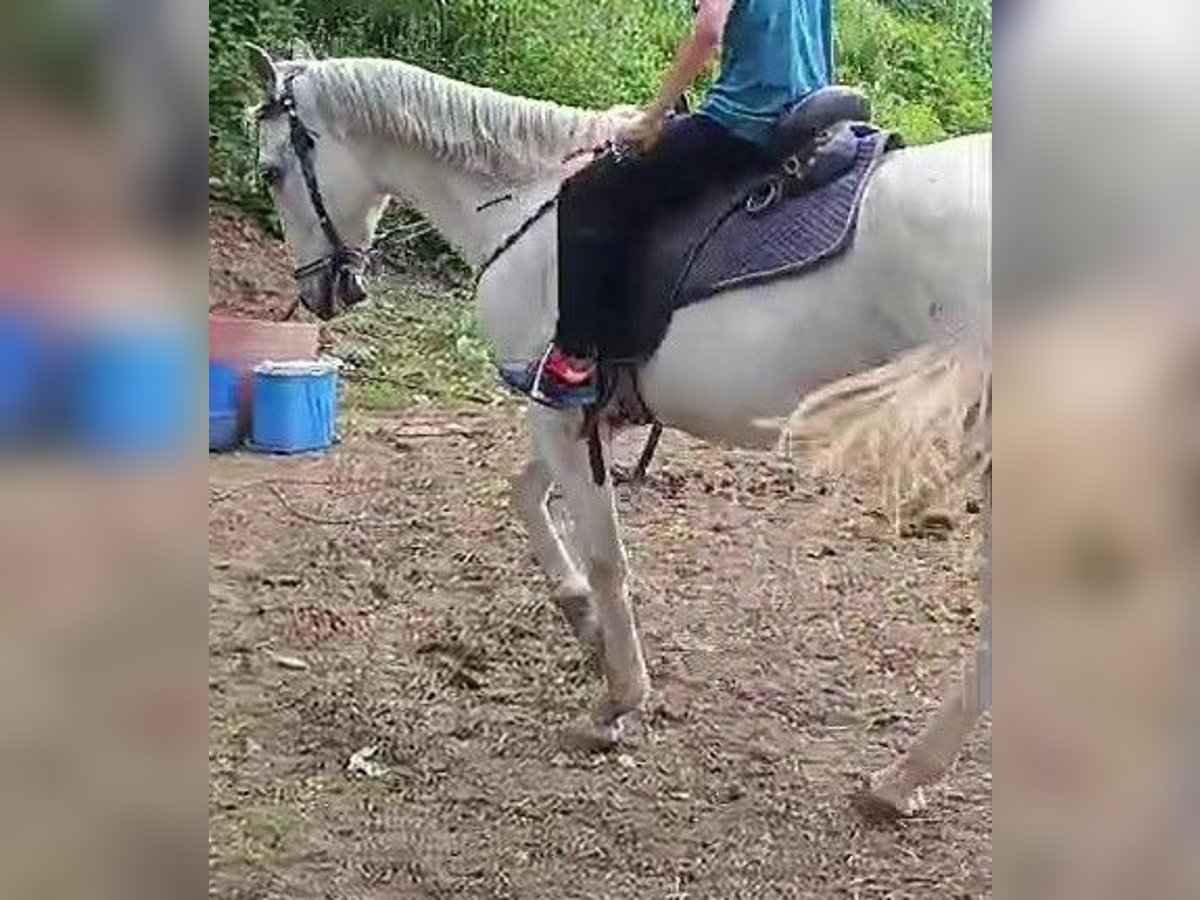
[(342, 257), (616, 149), (505, 245), (509, 240)]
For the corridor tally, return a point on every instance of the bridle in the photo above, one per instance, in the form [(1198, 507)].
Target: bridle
[(343, 259)]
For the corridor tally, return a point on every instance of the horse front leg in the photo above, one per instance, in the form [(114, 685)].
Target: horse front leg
[(556, 437), (530, 491)]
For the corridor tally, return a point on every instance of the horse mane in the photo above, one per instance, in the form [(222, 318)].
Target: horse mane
[(475, 128)]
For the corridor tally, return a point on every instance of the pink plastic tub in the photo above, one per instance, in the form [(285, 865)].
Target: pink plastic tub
[(245, 343)]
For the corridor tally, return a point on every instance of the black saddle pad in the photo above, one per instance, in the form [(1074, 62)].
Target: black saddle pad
[(719, 243)]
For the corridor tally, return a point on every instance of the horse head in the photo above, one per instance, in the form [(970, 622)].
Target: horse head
[(326, 200)]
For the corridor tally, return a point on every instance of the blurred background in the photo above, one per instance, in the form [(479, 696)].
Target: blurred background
[(1096, 293), (102, 542)]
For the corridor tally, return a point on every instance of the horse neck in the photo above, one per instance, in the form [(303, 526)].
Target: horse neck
[(474, 212), (429, 140)]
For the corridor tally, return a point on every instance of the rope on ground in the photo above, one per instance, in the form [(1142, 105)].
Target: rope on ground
[(276, 491)]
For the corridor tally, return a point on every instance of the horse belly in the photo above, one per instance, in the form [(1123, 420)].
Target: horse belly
[(752, 354)]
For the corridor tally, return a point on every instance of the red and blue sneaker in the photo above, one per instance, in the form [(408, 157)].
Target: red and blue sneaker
[(553, 379)]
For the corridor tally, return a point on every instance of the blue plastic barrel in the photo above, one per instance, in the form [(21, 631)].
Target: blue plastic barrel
[(223, 431), (294, 407), (129, 391), (25, 370)]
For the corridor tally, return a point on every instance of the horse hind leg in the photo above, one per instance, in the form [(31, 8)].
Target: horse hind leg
[(896, 790), (637, 475)]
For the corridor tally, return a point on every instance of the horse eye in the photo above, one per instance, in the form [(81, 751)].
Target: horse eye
[(271, 175)]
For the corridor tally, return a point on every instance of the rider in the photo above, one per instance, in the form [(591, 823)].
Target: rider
[(773, 53)]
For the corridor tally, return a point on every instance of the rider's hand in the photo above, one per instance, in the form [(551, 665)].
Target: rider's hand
[(643, 133)]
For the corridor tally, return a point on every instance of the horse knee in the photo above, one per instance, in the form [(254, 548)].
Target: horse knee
[(608, 575), (528, 489)]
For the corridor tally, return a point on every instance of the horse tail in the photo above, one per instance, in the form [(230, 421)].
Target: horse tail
[(921, 423)]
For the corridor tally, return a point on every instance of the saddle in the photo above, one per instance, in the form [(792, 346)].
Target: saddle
[(793, 215), (772, 223)]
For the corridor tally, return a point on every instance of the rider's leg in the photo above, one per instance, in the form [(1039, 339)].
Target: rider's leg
[(605, 210)]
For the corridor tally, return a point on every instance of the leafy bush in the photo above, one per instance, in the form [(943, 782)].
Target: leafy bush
[(231, 89), (927, 67), (925, 63)]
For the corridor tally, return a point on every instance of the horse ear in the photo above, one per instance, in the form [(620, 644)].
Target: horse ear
[(301, 49), (264, 68)]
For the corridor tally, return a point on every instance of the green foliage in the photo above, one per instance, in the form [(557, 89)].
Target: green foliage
[(925, 63), (416, 343), (232, 90)]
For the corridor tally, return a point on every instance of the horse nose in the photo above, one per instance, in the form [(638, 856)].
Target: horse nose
[(356, 292)]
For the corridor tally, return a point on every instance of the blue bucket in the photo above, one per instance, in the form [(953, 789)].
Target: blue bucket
[(294, 408), (25, 372), (223, 430), (129, 391)]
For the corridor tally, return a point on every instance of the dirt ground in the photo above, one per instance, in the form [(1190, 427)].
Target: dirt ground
[(249, 273), (378, 603)]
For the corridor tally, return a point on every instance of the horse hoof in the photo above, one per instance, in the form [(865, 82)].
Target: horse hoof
[(880, 805), (577, 610), (595, 737)]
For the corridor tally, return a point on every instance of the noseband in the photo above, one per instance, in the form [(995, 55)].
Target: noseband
[(303, 143)]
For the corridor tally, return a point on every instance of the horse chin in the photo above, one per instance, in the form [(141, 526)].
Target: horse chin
[(332, 296), (323, 306)]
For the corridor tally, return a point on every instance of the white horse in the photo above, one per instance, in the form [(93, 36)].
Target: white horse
[(874, 342)]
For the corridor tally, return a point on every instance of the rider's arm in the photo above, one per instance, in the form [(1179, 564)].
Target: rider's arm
[(693, 55)]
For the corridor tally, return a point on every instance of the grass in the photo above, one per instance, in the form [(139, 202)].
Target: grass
[(925, 63), (416, 344), (255, 836), (241, 833)]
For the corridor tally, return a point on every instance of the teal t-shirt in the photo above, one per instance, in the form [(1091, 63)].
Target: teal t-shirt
[(773, 53)]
